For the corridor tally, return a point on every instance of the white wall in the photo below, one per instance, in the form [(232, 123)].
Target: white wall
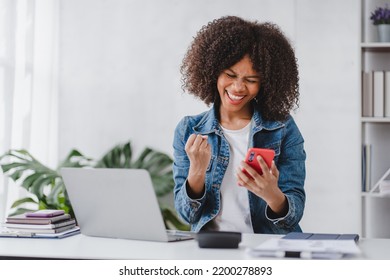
[(120, 80), (120, 66), (328, 52)]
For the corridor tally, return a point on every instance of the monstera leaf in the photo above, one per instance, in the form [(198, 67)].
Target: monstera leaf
[(157, 163), (44, 184), (47, 189)]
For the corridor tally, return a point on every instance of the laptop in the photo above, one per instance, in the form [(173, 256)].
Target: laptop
[(117, 203)]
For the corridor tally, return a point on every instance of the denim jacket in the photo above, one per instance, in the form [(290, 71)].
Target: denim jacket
[(283, 137)]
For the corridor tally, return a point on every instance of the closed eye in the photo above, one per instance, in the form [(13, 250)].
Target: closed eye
[(252, 81), (230, 75)]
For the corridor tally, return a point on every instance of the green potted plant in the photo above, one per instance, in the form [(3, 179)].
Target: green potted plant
[(47, 190), (381, 18)]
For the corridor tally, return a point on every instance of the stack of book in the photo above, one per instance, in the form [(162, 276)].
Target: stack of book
[(42, 223), (376, 94)]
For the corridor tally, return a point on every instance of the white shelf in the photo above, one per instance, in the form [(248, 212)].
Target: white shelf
[(375, 120), (375, 46), (375, 131), (376, 195)]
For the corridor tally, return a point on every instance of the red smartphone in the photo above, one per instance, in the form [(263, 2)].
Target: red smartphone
[(251, 158)]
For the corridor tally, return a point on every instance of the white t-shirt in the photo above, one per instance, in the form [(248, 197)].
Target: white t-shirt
[(234, 214)]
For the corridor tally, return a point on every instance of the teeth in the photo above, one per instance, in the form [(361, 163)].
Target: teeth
[(235, 97)]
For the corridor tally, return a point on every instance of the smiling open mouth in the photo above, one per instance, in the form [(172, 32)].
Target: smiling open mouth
[(235, 98)]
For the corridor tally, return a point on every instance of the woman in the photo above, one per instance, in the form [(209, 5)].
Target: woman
[(248, 72)]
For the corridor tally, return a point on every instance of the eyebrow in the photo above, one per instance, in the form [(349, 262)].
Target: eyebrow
[(251, 77)]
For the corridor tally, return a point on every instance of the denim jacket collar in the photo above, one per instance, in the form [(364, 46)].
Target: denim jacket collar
[(209, 123)]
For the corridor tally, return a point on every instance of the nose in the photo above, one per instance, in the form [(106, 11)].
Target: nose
[(238, 85)]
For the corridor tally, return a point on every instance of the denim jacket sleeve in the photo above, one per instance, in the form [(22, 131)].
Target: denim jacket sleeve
[(189, 209), (291, 166)]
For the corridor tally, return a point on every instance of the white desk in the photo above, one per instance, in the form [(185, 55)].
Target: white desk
[(85, 247)]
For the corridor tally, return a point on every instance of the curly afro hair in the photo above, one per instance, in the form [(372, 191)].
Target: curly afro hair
[(225, 41)]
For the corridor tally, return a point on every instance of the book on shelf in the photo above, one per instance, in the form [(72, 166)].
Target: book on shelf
[(387, 94), (37, 226), (366, 167), (22, 219), (367, 94), (376, 94), (379, 93), (363, 169)]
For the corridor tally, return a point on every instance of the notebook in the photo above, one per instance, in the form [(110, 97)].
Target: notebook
[(321, 236), (117, 203)]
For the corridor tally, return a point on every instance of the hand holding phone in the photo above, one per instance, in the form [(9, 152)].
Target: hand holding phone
[(251, 158)]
